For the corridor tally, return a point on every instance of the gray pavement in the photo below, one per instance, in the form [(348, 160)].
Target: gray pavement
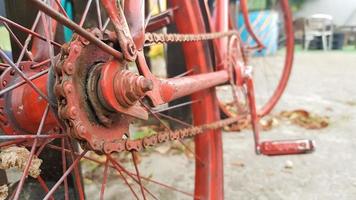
[(322, 83)]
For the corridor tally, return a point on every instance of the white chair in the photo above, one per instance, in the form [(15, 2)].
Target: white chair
[(319, 25)]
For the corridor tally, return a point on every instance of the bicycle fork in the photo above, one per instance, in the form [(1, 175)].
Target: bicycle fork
[(272, 147)]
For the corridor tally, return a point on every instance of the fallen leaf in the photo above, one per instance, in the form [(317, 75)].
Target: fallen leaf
[(4, 192), (351, 103), (17, 157), (305, 119), (268, 123)]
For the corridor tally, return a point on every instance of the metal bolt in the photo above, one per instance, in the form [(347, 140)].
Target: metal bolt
[(69, 68), (73, 112), (132, 49), (146, 85), (68, 88), (81, 130)]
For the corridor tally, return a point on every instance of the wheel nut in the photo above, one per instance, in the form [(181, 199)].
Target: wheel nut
[(69, 68), (73, 112), (146, 85), (68, 88)]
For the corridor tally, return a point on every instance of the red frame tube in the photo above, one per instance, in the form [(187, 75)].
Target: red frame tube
[(178, 87)]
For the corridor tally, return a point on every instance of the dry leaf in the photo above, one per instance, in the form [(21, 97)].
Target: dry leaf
[(305, 119), (17, 157), (4, 192), (268, 123)]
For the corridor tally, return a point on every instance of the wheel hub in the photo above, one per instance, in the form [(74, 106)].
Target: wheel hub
[(21, 109), (97, 97)]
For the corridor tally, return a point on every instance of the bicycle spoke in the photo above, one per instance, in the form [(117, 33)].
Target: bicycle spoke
[(170, 130), (175, 119), (61, 8), (105, 24), (9, 143), (30, 137), (185, 73), (16, 85), (103, 184), (76, 170), (17, 41), (123, 177), (43, 185), (46, 26), (8, 60), (26, 30), (45, 62), (69, 170), (98, 12), (28, 39), (43, 145), (64, 169), (175, 106), (32, 153), (75, 27), (134, 160), (131, 173), (85, 13)]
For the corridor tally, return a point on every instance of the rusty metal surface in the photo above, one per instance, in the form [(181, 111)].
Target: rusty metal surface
[(117, 97), (73, 108), (98, 97), (117, 16), (21, 108)]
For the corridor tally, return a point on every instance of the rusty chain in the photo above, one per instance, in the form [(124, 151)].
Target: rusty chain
[(160, 137), (151, 38)]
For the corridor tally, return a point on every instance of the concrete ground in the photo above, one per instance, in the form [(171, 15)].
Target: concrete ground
[(322, 83)]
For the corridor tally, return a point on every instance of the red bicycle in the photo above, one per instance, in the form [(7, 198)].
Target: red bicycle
[(60, 100)]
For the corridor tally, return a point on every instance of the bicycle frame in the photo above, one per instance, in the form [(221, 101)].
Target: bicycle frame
[(166, 90), (159, 91), (163, 90)]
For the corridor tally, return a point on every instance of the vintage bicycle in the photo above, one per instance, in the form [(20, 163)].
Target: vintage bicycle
[(74, 85)]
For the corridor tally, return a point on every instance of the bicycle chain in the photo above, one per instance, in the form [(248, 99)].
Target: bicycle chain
[(160, 137), (174, 37)]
